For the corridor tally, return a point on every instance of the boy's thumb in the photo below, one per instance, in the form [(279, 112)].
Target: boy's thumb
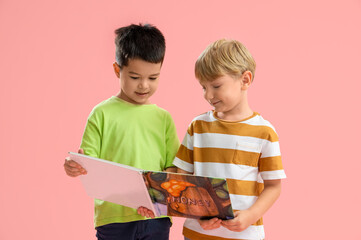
[(81, 151)]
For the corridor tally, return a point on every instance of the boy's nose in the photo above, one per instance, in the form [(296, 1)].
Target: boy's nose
[(208, 95), (143, 84)]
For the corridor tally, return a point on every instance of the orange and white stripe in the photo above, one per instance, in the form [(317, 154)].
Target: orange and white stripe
[(245, 152)]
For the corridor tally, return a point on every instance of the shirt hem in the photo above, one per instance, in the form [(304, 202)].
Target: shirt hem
[(98, 223), (193, 235)]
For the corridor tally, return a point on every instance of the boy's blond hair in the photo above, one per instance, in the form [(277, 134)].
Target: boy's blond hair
[(224, 57)]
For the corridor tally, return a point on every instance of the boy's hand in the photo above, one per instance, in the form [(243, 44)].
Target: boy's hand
[(242, 220), (72, 168), (171, 169), (210, 224), (145, 212)]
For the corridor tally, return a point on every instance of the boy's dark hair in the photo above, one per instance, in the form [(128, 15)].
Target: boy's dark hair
[(144, 42)]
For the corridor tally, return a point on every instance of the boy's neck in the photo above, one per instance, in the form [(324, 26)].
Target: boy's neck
[(125, 98), (239, 113), (235, 117)]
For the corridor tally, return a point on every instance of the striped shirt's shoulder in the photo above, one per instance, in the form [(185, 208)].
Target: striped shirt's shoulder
[(265, 130), (258, 120), (205, 117)]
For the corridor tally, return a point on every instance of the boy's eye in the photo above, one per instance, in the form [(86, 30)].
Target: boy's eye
[(135, 78), (216, 86), (152, 78)]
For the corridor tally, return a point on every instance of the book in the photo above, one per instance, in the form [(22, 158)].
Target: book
[(167, 194)]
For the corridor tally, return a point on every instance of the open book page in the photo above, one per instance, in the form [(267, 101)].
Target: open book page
[(183, 195), (113, 182)]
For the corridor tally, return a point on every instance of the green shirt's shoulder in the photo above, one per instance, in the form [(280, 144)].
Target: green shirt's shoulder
[(162, 111), (166, 116), (104, 104), (108, 106)]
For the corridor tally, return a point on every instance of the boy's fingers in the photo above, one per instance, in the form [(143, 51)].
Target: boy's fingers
[(151, 214), (141, 211), (226, 225), (71, 174), (210, 224), (145, 212), (81, 151), (212, 221), (70, 168), (74, 170), (228, 222), (70, 162), (74, 164), (217, 223)]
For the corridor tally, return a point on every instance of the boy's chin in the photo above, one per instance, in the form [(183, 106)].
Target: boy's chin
[(141, 101)]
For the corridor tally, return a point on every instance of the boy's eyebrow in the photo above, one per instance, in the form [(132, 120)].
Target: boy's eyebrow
[(212, 82), (155, 74), (133, 73), (216, 81)]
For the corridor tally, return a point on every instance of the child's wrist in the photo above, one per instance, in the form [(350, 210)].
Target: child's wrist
[(248, 214)]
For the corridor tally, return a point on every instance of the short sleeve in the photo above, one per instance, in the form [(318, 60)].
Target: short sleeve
[(270, 163), (92, 137), (184, 157)]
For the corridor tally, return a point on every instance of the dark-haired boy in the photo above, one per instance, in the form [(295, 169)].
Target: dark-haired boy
[(127, 129)]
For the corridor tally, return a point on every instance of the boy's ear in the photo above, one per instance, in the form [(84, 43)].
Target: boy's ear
[(116, 69), (246, 80)]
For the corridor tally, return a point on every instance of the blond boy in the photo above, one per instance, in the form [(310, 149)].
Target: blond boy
[(231, 141)]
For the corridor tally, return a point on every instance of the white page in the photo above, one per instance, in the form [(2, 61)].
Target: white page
[(113, 182)]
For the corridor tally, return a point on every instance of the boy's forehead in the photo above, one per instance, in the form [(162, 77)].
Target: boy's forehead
[(205, 81), (141, 66)]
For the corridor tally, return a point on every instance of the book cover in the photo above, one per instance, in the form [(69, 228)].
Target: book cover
[(168, 194), (184, 195)]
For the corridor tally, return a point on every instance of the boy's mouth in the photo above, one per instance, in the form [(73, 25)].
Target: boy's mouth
[(214, 103), (141, 94)]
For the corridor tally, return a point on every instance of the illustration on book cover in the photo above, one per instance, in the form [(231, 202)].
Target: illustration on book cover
[(182, 195)]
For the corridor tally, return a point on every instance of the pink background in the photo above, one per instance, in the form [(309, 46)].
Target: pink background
[(56, 64)]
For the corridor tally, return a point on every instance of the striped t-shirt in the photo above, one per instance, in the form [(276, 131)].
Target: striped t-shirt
[(245, 152)]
